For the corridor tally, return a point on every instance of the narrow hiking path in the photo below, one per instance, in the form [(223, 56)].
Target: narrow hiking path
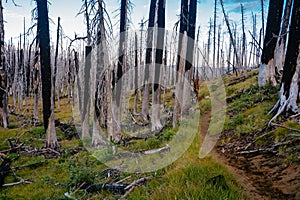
[(240, 175), (260, 177)]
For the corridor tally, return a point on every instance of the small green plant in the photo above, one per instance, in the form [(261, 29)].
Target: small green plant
[(168, 134), (153, 143), (81, 172), (37, 132), (230, 91)]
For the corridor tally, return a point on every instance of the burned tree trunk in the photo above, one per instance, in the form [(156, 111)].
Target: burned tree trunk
[(267, 69), (55, 59), (155, 118), (150, 33), (136, 74), (289, 91), (244, 59), (281, 42), (214, 38), (180, 62), (103, 101), (36, 82), (233, 42), (262, 19), (87, 68), (47, 85), (189, 55), (120, 68), (3, 75)]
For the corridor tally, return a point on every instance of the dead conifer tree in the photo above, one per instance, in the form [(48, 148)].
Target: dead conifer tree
[(47, 84), (267, 69), (3, 76), (149, 51), (155, 118)]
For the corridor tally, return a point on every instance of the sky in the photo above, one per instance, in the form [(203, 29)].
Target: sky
[(68, 9)]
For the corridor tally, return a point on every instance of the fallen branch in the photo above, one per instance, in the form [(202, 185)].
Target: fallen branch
[(136, 182), (160, 150), (236, 81), (295, 116), (131, 186), (13, 149), (269, 149), (47, 152), (120, 181), (286, 143), (257, 151), (17, 183), (144, 152), (282, 126)]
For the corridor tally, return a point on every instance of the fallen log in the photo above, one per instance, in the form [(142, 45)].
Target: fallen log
[(236, 81), (144, 152), (17, 183), (257, 151)]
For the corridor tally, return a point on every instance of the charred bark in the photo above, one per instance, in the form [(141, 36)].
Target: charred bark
[(155, 119), (47, 86), (180, 62), (267, 69), (150, 33), (289, 91), (3, 76)]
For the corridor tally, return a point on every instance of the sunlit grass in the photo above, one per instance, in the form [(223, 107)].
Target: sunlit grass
[(186, 178)]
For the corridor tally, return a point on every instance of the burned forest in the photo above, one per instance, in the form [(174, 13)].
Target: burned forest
[(150, 99)]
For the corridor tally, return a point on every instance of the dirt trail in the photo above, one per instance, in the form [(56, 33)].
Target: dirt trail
[(240, 175), (261, 176)]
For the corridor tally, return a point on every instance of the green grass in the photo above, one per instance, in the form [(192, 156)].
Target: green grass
[(186, 178)]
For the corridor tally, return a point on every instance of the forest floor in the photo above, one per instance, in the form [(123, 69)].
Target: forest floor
[(264, 158), (250, 161)]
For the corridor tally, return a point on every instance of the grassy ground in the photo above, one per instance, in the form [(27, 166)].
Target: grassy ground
[(189, 177)]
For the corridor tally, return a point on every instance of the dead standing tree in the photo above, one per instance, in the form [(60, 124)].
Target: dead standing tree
[(289, 90), (150, 34), (87, 68), (47, 84), (155, 118), (267, 69), (180, 63), (191, 32), (55, 59), (117, 97), (185, 58), (103, 82), (244, 55), (281, 42), (233, 42), (3, 76), (214, 37)]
